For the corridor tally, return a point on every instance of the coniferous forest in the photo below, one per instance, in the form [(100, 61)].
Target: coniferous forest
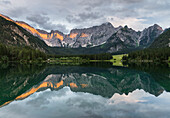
[(13, 53), (26, 54), (152, 54)]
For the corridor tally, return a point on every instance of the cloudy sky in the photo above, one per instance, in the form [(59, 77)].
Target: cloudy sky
[(65, 15)]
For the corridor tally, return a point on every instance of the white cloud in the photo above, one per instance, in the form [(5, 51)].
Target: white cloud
[(134, 23)]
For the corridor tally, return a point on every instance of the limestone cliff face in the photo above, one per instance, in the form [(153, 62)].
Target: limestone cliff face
[(128, 39), (88, 37), (98, 35), (103, 34)]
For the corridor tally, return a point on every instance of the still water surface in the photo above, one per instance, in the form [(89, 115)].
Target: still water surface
[(32, 91)]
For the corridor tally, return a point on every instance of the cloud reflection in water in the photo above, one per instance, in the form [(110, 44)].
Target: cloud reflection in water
[(67, 104)]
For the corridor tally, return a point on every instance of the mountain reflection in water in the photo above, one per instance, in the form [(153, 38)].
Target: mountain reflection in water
[(78, 91)]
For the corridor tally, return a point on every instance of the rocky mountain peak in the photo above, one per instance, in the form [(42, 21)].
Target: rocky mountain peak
[(126, 27), (98, 35), (42, 31), (156, 25), (107, 24), (148, 35), (89, 37)]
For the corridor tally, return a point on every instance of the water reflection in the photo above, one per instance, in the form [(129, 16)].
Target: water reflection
[(17, 79), (69, 91), (67, 104)]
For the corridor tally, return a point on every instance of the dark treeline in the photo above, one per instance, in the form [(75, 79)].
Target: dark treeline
[(13, 53), (153, 54), (103, 56)]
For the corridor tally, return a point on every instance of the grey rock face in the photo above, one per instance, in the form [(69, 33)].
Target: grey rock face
[(93, 36), (127, 38), (121, 37), (148, 35), (54, 38), (88, 37)]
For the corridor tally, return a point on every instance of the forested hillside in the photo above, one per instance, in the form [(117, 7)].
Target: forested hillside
[(13, 53), (162, 41), (13, 35), (152, 54)]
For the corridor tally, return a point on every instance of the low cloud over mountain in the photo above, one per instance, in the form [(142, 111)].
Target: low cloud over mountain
[(66, 15)]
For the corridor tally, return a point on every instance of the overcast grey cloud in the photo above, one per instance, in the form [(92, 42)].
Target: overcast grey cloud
[(43, 21), (83, 17), (64, 15), (5, 2)]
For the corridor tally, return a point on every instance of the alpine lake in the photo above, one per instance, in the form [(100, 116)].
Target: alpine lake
[(94, 90)]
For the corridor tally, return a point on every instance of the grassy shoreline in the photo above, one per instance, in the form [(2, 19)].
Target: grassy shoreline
[(117, 60)]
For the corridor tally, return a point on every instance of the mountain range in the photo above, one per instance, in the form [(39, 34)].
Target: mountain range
[(97, 39)]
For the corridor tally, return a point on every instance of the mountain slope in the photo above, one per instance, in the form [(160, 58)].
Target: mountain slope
[(162, 41), (148, 35), (12, 34)]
